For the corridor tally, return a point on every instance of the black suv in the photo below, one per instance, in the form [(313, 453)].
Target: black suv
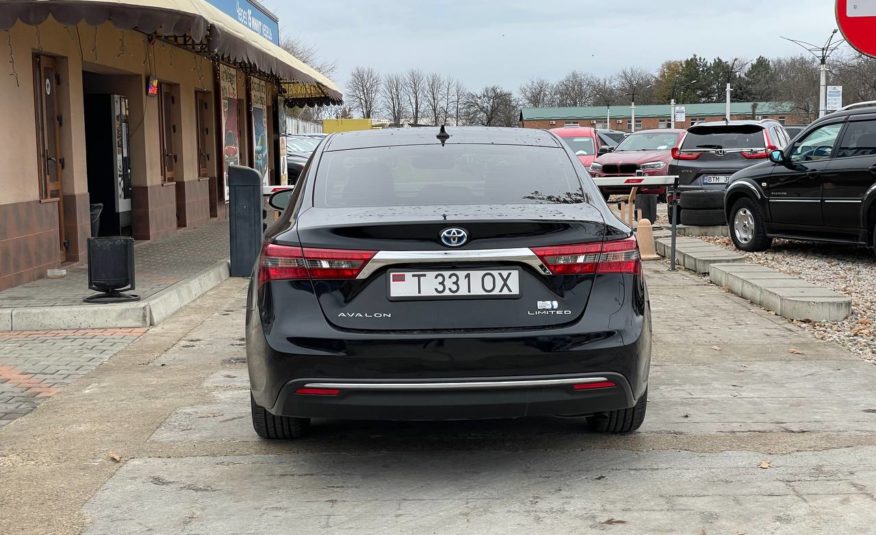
[(821, 187)]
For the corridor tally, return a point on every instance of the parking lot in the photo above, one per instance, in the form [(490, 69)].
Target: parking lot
[(755, 427)]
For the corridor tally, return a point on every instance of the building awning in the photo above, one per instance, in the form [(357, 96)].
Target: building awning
[(194, 23)]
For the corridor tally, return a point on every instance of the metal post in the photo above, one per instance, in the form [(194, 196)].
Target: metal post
[(633, 117), (674, 225), (608, 118), (729, 90), (672, 113), (822, 98)]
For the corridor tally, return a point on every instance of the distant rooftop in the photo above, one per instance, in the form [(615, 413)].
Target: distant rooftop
[(654, 110)]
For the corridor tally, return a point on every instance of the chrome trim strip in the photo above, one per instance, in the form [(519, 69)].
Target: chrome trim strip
[(458, 385), (746, 184), (844, 201), (388, 258), (794, 200)]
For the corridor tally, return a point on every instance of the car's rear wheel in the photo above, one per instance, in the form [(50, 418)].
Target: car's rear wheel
[(620, 421), (267, 425), (747, 229)]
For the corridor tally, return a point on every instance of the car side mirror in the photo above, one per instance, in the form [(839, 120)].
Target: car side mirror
[(605, 150), (280, 200), (777, 156)]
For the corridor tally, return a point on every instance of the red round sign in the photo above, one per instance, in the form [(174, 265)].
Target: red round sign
[(857, 22)]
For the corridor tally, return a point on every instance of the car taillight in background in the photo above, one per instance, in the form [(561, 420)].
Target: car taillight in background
[(620, 256), (282, 262), (677, 154)]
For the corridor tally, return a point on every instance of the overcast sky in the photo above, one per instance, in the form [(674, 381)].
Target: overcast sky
[(484, 42)]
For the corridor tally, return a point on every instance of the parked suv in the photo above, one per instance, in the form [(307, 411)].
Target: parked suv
[(646, 151), (821, 187), (711, 152)]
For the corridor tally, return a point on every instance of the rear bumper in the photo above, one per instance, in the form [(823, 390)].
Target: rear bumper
[(557, 361), (458, 400)]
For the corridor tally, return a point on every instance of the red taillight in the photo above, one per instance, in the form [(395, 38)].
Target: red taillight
[(678, 155), (759, 154), (282, 262), (307, 391), (621, 256), (594, 386)]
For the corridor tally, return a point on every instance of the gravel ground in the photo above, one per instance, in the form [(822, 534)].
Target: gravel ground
[(848, 270)]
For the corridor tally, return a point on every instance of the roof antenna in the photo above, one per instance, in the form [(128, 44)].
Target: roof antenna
[(443, 136)]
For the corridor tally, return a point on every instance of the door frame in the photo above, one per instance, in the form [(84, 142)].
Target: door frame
[(48, 133)]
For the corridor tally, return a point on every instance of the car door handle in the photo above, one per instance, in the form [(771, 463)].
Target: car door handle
[(813, 174), (873, 170)]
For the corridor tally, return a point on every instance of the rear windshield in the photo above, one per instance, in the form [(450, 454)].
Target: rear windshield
[(648, 141), (722, 137), (582, 146), (432, 175)]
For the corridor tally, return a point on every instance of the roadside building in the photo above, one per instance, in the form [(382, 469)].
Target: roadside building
[(138, 106), (655, 116)]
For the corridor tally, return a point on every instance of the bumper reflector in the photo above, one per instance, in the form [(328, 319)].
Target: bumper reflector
[(594, 386), (305, 391)]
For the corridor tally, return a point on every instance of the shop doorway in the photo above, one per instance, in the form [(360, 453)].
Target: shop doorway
[(108, 152), (47, 80)]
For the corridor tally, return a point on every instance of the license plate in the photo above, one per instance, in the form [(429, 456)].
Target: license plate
[(715, 179), (490, 283)]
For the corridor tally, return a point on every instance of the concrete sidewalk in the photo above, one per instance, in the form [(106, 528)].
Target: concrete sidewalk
[(169, 274), (754, 426)]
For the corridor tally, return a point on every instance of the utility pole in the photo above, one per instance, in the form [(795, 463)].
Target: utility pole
[(729, 90), (633, 117), (822, 54)]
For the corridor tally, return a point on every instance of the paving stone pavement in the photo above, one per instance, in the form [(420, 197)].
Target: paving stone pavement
[(158, 265), (34, 365)]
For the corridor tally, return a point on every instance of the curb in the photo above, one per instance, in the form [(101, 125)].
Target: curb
[(785, 295), (696, 255), (147, 313)]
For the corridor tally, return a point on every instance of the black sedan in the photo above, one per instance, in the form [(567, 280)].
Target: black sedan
[(419, 274)]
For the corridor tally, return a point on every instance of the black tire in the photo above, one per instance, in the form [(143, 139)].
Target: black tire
[(703, 218), (758, 240), (702, 200), (268, 426), (669, 213), (620, 421)]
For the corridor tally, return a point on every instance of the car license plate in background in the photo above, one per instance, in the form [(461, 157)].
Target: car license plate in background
[(715, 179), (454, 283)]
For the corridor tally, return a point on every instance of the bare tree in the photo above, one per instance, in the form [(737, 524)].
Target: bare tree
[(492, 106), (574, 90), (459, 94), (364, 88), (394, 97), (797, 82), (308, 54), (636, 84), (537, 93), (434, 93), (415, 85)]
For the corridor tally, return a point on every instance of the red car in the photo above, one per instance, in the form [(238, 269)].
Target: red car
[(584, 141), (648, 152)]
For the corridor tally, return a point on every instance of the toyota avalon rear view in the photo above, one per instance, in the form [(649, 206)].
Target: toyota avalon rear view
[(419, 274)]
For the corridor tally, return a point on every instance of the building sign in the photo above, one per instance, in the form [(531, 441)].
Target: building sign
[(834, 97), (259, 97), (230, 121), (252, 15), (680, 114)]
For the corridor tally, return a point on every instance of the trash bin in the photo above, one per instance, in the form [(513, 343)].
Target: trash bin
[(648, 205), (96, 209)]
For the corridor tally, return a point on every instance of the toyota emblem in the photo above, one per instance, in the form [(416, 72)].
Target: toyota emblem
[(454, 237)]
